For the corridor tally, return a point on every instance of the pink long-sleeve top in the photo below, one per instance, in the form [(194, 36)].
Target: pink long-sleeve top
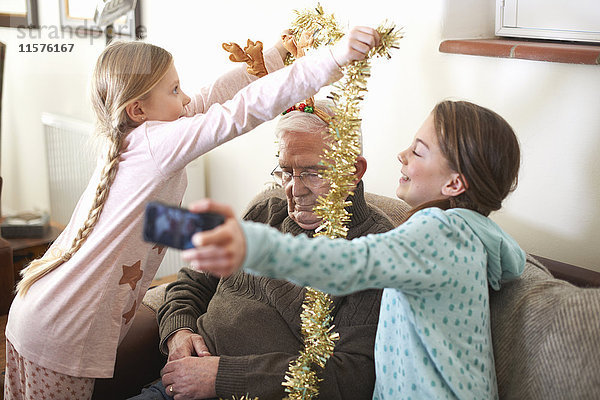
[(72, 320)]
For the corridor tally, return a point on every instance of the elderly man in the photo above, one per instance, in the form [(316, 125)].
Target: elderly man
[(237, 336)]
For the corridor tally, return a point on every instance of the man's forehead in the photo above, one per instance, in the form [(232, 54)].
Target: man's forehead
[(302, 141), (295, 134)]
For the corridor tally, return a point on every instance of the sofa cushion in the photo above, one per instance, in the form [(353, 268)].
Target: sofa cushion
[(138, 359), (546, 337), (154, 297)]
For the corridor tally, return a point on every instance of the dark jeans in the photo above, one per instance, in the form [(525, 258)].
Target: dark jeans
[(156, 391)]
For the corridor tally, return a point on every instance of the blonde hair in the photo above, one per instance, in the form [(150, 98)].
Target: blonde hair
[(125, 72)]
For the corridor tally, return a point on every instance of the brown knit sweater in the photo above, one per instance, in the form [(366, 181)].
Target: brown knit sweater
[(253, 323)]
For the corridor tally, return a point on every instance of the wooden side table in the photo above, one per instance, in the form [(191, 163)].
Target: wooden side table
[(28, 249), (7, 280), (23, 251)]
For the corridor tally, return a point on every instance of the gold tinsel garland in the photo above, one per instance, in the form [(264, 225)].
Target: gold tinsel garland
[(324, 26), (344, 130), (301, 381)]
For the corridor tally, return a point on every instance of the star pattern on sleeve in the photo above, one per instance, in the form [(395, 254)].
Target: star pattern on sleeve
[(159, 248), (129, 314), (131, 274)]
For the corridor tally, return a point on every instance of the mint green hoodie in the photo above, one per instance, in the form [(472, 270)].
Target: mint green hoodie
[(433, 338)]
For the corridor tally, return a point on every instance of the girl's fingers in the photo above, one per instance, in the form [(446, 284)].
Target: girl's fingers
[(361, 48), (220, 250), (360, 41), (204, 253), (214, 259), (365, 35), (220, 235), (215, 268), (220, 267)]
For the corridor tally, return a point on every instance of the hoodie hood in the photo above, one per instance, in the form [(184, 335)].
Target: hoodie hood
[(506, 259)]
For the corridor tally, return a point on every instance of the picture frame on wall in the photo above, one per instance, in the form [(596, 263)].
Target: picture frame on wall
[(19, 13), (78, 15)]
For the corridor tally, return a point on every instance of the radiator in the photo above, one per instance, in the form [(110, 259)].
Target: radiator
[(70, 162), (71, 159)]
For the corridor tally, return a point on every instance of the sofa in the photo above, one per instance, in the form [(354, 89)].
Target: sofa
[(545, 330)]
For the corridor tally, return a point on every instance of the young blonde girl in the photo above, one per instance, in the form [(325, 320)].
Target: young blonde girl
[(433, 339), (76, 303)]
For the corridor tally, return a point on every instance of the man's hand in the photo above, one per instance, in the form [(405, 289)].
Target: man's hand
[(191, 378), (185, 343), (219, 251)]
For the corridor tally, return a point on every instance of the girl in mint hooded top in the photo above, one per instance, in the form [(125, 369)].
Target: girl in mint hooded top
[(434, 336)]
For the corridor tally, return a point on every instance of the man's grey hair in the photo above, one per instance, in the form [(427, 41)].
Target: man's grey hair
[(299, 121)]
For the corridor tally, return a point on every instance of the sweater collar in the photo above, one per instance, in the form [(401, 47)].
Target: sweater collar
[(359, 212)]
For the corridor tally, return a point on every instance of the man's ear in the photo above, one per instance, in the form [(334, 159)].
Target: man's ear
[(135, 112), (361, 168), (455, 185)]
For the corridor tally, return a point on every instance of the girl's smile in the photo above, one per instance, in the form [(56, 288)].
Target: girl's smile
[(425, 175), (403, 178)]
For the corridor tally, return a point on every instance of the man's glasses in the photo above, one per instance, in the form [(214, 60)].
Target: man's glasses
[(309, 179)]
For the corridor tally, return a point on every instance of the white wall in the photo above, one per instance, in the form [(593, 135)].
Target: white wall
[(553, 107), (34, 83)]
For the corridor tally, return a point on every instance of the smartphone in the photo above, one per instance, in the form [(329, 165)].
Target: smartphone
[(174, 226)]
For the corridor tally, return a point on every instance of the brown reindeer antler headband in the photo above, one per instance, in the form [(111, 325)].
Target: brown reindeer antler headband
[(252, 55)]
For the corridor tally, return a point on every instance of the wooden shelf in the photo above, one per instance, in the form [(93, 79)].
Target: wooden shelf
[(23, 251), (573, 53)]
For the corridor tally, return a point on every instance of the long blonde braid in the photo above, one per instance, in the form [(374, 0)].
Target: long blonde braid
[(125, 72)]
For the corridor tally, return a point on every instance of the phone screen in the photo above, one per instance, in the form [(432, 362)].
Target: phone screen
[(174, 226)]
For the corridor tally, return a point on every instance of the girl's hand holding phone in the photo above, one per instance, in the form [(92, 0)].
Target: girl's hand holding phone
[(220, 251)]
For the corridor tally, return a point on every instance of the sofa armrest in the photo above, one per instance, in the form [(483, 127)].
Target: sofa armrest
[(576, 275), (545, 336)]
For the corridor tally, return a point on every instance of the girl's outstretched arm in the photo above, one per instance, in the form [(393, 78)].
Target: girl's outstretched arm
[(408, 258), (188, 138), (268, 252)]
